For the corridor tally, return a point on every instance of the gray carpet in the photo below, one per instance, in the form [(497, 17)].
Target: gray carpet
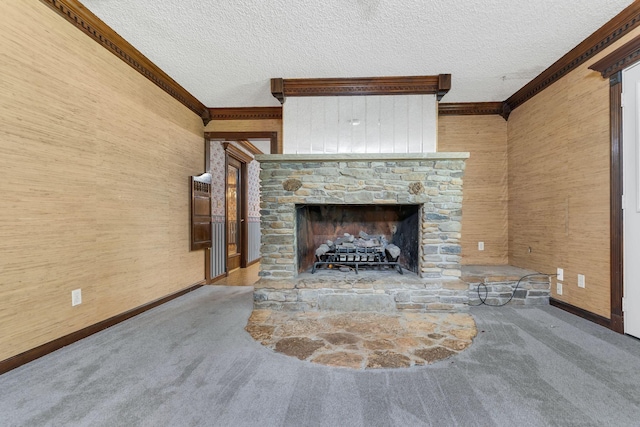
[(190, 363)]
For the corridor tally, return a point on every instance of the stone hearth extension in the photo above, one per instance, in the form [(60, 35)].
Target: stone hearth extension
[(364, 340), (388, 291)]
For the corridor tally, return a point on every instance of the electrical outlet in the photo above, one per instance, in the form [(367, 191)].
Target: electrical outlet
[(559, 288), (560, 275), (581, 280), (76, 297), (481, 246)]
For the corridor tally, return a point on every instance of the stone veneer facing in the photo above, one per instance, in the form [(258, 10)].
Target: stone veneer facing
[(431, 180)]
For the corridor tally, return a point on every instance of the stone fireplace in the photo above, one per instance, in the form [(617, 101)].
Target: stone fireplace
[(412, 199)]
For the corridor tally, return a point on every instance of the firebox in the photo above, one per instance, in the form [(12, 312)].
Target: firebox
[(366, 228)]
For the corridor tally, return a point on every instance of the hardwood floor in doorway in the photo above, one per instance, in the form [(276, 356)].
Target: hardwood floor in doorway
[(241, 276)]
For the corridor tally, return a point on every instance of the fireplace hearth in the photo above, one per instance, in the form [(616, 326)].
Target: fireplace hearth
[(412, 201)]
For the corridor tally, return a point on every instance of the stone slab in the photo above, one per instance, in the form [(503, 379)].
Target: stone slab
[(363, 157), (381, 303)]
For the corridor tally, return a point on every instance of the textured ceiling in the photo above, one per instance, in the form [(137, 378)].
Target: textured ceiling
[(225, 52)]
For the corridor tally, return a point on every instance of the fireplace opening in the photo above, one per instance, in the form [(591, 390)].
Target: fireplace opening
[(395, 224)]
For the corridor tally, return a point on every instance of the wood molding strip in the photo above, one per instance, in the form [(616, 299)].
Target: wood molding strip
[(255, 261), (44, 349), (437, 85), (472, 108), (246, 113), (218, 278), (235, 136), (580, 312), (609, 33), (82, 18), (615, 204), (247, 145), (236, 153), (618, 60)]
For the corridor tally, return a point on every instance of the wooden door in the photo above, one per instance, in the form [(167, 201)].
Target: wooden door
[(235, 218)]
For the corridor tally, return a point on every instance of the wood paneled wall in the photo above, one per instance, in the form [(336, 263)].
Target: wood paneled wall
[(484, 213), (559, 185), (360, 124), (93, 184)]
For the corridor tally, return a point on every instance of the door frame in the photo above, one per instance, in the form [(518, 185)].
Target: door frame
[(217, 136), (611, 67), (233, 152), (238, 136)]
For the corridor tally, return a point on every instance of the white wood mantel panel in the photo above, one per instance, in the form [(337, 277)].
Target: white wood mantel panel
[(360, 124)]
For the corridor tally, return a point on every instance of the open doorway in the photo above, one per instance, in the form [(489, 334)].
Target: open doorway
[(236, 201)]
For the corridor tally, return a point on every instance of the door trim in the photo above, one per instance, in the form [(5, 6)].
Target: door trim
[(616, 214)]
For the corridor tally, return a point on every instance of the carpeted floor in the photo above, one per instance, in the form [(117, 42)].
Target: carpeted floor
[(190, 363)]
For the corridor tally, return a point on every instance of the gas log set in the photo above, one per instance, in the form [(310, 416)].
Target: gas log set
[(348, 251)]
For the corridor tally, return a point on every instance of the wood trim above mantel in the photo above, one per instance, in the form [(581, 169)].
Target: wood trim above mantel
[(360, 86), (444, 109), (606, 35), (82, 18)]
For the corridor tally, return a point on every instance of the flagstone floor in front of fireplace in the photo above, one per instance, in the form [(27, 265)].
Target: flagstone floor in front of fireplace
[(364, 340)]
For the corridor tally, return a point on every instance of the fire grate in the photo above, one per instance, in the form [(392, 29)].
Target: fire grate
[(356, 257)]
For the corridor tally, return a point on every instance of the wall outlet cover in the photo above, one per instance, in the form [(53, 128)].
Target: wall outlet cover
[(560, 274), (581, 283), (481, 246), (76, 297), (559, 288)]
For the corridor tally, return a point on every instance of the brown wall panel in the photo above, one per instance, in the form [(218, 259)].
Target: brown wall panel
[(559, 185), (484, 214), (93, 185)]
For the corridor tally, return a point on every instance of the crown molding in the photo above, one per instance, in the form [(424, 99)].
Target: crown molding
[(246, 113), (609, 33), (619, 59), (359, 86), (83, 19), (473, 109)]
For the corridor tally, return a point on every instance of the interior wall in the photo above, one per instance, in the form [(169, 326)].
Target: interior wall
[(94, 184), (559, 150), (485, 210)]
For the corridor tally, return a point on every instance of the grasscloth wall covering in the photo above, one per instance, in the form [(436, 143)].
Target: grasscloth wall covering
[(559, 185), (484, 211), (93, 184)]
